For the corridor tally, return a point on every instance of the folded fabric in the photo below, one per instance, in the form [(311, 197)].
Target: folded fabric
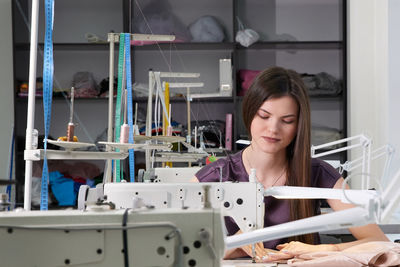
[(322, 84), (377, 253), (322, 134), (246, 77), (63, 189)]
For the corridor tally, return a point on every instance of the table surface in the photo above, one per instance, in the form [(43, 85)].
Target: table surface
[(248, 263)]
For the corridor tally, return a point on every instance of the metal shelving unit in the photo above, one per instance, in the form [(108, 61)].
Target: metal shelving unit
[(228, 47)]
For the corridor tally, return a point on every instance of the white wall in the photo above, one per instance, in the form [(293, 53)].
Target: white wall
[(393, 126), (394, 81), (6, 85), (368, 73), (374, 82)]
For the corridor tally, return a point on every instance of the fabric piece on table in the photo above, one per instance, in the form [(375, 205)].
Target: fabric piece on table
[(378, 253)]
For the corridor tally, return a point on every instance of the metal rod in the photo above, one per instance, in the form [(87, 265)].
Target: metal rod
[(185, 85), (71, 106), (31, 102), (110, 131), (136, 115), (125, 105), (189, 128), (148, 117), (179, 75)]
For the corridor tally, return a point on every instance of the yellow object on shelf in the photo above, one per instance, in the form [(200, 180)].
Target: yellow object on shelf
[(64, 138)]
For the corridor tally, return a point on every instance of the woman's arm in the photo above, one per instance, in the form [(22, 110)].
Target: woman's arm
[(363, 234), (235, 253), (367, 233), (246, 251)]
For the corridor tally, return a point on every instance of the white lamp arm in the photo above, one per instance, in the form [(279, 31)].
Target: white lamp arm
[(361, 197), (352, 142), (363, 141), (335, 220), (386, 150), (377, 209)]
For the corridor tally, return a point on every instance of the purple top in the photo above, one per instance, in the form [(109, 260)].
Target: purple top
[(276, 211)]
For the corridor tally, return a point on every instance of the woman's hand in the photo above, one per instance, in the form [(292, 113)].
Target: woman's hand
[(294, 248), (259, 250)]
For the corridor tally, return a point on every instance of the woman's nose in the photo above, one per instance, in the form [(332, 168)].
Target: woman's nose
[(273, 126)]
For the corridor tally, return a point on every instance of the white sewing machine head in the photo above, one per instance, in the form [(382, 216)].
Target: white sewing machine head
[(244, 202)]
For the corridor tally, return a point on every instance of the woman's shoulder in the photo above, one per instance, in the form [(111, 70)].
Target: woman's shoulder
[(211, 172), (323, 174)]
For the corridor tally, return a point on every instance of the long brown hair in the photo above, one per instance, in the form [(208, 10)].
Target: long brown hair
[(276, 82)]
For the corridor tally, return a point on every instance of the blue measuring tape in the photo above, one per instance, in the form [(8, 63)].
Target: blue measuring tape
[(48, 71), (130, 108), (118, 121)]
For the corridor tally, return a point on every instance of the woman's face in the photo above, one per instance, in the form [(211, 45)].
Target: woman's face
[(275, 124)]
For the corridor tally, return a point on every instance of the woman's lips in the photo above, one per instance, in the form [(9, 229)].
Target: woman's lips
[(270, 139)]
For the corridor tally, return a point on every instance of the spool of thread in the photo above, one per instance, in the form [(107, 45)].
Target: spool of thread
[(136, 130), (70, 132), (124, 137), (169, 130)]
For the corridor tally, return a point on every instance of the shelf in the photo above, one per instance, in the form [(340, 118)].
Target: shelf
[(38, 154), (311, 45), (105, 46), (313, 97), (326, 97), (68, 46), (25, 99), (188, 46), (195, 100), (137, 99)]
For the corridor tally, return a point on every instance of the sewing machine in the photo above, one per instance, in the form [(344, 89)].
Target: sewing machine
[(168, 175), (244, 202), (98, 236), (102, 237)]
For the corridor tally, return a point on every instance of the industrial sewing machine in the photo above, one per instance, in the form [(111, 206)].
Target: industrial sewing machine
[(244, 202), (174, 236), (102, 237), (168, 175)]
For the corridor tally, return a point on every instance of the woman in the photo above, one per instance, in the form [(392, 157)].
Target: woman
[(276, 113)]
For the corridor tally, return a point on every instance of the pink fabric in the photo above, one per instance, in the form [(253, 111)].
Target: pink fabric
[(366, 254), (86, 93), (246, 78)]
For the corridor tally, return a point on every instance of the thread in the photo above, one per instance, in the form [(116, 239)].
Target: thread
[(124, 137), (169, 130), (70, 132)]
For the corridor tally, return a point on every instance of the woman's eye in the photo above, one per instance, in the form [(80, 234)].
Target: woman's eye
[(288, 122)]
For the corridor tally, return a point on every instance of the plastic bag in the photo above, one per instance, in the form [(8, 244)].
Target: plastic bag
[(206, 29), (84, 84), (246, 37), (160, 19)]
